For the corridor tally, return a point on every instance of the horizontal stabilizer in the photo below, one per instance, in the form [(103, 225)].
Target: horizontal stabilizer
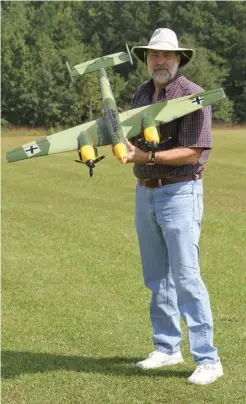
[(103, 62)]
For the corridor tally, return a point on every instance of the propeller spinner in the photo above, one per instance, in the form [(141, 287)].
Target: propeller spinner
[(88, 155)]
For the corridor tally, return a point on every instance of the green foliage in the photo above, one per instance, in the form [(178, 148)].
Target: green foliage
[(134, 80), (204, 71), (17, 75), (5, 124), (37, 37)]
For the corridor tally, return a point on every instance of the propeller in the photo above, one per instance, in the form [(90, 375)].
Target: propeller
[(152, 146), (90, 163)]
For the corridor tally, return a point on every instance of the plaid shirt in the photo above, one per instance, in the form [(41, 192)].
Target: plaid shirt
[(192, 130)]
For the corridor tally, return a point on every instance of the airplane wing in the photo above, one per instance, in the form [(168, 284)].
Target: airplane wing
[(66, 140), (166, 111)]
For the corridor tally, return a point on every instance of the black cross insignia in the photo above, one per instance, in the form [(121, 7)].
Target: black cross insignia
[(31, 150), (198, 100)]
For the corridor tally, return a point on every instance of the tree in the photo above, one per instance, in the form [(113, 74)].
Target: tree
[(204, 72), (38, 36), (16, 62)]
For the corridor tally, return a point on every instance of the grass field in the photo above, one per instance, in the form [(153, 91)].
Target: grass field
[(74, 308)]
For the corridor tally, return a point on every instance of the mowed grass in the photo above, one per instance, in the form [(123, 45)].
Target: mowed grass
[(74, 308)]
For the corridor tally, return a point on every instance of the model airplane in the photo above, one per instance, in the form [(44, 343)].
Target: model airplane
[(113, 127)]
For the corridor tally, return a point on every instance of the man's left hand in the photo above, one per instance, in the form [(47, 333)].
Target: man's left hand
[(136, 155)]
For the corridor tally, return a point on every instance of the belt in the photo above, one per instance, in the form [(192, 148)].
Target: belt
[(155, 183)]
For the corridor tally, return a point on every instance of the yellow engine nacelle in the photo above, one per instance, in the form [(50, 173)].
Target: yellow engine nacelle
[(87, 153), (120, 151), (151, 135)]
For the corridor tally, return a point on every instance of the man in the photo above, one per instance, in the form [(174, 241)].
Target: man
[(169, 208)]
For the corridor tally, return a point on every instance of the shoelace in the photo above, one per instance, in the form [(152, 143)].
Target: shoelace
[(200, 368)]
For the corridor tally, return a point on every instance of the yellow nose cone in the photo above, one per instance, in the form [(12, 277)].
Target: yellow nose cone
[(87, 153), (120, 150), (151, 134)]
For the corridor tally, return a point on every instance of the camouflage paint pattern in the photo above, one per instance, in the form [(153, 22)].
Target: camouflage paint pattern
[(103, 62), (166, 111), (63, 141), (110, 110), (131, 122)]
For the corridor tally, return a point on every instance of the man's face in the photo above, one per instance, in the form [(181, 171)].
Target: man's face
[(162, 65)]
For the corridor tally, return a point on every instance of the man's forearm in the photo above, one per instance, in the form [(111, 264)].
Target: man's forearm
[(173, 157), (178, 156)]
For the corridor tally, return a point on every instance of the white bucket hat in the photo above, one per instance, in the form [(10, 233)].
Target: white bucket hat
[(166, 40)]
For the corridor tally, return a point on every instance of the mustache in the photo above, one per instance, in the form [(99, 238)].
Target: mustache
[(157, 67)]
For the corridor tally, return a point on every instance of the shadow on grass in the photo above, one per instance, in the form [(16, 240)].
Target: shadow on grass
[(17, 363)]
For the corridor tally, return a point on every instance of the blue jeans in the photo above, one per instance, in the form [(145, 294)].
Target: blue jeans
[(168, 224)]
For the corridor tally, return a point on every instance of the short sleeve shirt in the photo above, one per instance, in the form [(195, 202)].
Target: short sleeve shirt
[(192, 130)]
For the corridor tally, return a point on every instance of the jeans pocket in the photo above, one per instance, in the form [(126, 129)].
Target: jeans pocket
[(197, 207), (178, 188), (200, 206)]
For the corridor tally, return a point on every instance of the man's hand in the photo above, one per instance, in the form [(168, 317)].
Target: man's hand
[(136, 155)]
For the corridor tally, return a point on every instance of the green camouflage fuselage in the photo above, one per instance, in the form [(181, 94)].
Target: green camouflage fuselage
[(110, 110)]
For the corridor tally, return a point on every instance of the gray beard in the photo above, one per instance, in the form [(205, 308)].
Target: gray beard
[(165, 76), (162, 77)]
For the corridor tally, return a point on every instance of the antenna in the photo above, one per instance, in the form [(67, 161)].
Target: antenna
[(129, 54)]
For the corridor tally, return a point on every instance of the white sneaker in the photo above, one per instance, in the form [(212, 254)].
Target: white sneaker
[(207, 373), (157, 359)]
